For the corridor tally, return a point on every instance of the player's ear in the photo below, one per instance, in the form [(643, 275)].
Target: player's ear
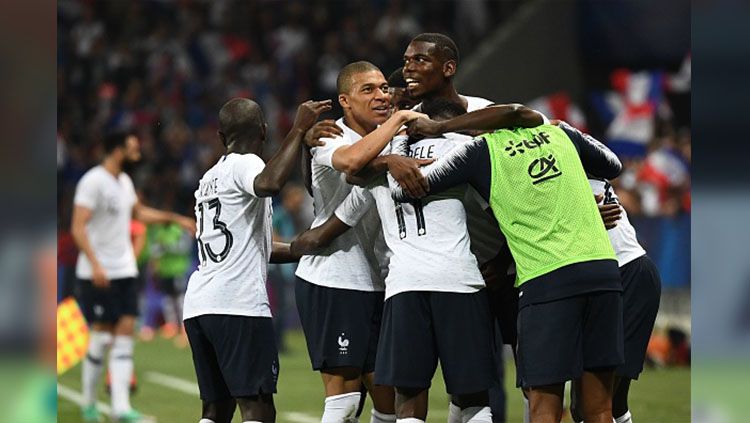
[(449, 68), (263, 130), (222, 138), (343, 101)]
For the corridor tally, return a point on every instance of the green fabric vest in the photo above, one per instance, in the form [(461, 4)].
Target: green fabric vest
[(175, 257), (544, 204)]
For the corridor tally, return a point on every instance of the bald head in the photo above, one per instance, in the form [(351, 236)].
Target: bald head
[(346, 75), (241, 119)]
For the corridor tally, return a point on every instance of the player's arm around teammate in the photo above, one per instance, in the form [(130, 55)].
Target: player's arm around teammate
[(273, 177)]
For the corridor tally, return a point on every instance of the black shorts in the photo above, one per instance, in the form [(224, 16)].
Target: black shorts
[(640, 302), (504, 307), (107, 305), (420, 327), (234, 356), (558, 340), (341, 326)]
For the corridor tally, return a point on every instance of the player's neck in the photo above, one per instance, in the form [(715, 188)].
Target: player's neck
[(112, 165), (448, 93), (244, 148), (358, 127)]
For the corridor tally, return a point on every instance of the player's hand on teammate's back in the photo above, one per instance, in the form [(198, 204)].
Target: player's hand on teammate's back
[(405, 170), (424, 127), (323, 129), (308, 112), (99, 276), (610, 213)]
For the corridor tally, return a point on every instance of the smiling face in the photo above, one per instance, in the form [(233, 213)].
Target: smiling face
[(367, 100), (425, 71)]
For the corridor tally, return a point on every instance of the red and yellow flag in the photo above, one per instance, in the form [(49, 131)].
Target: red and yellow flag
[(72, 335)]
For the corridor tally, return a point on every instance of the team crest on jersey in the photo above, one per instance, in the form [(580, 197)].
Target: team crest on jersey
[(544, 168), (343, 344)]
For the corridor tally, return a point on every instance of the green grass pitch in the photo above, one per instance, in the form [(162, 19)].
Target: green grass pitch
[(167, 390)]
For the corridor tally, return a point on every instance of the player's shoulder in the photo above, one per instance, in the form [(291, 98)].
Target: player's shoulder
[(475, 103), (93, 176)]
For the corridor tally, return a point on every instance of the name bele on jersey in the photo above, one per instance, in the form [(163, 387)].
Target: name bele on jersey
[(428, 239), (111, 200), (623, 236), (234, 241), (350, 261)]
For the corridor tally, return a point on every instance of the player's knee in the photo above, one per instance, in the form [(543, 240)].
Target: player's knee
[(125, 326), (345, 373), (257, 408), (219, 411)]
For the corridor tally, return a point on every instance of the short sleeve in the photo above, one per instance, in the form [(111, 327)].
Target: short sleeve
[(354, 206), (245, 170), (323, 155), (87, 192)]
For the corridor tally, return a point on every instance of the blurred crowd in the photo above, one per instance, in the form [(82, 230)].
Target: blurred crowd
[(162, 69)]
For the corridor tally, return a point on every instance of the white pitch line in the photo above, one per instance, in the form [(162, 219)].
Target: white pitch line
[(77, 398), (176, 383), (296, 417), (191, 388)]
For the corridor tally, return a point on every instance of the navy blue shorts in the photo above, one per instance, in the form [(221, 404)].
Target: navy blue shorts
[(107, 305), (504, 307), (559, 339), (641, 293), (420, 327), (341, 326), (234, 356)]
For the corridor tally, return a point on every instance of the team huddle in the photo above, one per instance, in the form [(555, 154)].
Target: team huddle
[(438, 217)]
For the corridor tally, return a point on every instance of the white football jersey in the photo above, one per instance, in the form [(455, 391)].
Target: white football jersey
[(623, 237), (486, 238), (111, 200), (234, 241), (350, 262), (428, 239)]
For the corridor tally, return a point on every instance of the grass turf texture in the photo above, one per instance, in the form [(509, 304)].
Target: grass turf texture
[(659, 395)]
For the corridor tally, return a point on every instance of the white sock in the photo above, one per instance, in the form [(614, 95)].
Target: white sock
[(206, 421), (476, 415), (526, 410), (121, 371), (378, 417), (341, 408), (409, 420), (625, 418), (454, 413), (93, 364)]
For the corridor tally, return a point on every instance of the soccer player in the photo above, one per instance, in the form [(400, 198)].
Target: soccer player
[(104, 203), (339, 292), (227, 316), (570, 291), (431, 61), (433, 277), (641, 286)]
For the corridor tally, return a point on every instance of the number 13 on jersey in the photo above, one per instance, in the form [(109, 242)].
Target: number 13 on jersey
[(204, 239)]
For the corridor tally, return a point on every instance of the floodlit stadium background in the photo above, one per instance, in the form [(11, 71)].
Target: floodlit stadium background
[(620, 70)]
